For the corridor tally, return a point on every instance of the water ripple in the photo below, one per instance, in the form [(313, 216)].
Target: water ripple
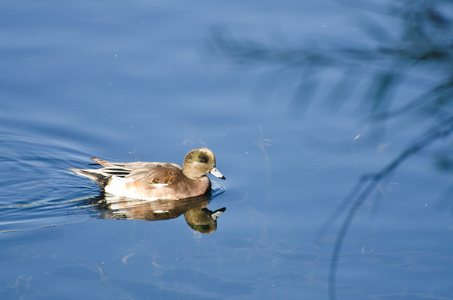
[(37, 189)]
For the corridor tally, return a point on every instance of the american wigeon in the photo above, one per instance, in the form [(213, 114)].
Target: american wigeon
[(155, 180)]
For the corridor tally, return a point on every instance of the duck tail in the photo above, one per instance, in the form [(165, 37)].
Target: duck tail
[(102, 162), (96, 176)]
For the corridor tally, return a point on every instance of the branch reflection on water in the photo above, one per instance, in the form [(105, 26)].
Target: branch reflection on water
[(419, 57), (425, 44)]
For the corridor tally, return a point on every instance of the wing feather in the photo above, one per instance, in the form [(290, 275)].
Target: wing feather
[(158, 174)]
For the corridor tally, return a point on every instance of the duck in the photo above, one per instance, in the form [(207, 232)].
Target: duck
[(156, 180)]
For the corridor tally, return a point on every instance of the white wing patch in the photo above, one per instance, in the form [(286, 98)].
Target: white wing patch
[(160, 184)]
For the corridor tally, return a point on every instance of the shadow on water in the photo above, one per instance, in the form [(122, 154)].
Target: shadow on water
[(419, 56), (424, 44)]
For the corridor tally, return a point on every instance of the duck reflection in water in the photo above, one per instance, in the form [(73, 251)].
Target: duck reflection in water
[(195, 210)]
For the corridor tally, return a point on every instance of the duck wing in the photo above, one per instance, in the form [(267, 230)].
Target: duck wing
[(157, 173)]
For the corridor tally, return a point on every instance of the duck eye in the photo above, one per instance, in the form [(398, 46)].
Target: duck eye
[(203, 158)]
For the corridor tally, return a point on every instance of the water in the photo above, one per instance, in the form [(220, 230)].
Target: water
[(150, 81)]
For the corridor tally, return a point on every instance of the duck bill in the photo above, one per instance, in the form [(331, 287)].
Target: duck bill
[(217, 213), (217, 173)]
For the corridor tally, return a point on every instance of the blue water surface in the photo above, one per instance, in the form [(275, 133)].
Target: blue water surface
[(149, 81)]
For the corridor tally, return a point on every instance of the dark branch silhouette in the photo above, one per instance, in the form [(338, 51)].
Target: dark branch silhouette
[(367, 184), (424, 48)]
